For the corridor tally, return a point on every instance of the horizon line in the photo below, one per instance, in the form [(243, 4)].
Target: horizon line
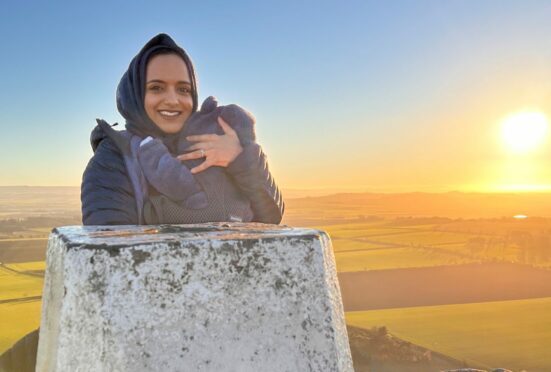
[(357, 190)]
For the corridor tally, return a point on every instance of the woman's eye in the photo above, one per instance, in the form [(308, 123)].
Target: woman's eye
[(185, 90), (155, 88)]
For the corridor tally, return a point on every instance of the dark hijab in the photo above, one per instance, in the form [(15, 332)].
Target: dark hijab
[(131, 89)]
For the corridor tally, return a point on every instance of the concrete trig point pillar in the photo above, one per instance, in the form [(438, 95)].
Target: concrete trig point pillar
[(209, 297)]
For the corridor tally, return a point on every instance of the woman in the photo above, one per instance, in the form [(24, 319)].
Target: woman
[(141, 175)]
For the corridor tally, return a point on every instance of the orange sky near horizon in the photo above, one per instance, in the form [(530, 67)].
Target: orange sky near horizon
[(454, 145)]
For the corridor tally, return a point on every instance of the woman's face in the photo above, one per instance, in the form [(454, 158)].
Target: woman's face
[(168, 101)]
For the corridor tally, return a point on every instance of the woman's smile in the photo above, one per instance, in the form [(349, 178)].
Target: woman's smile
[(170, 114)]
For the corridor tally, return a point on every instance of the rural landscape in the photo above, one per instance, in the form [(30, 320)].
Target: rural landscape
[(429, 281)]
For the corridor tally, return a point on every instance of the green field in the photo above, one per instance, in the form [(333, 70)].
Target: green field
[(346, 245), (28, 267), (377, 234), (17, 285), (393, 258), (20, 288), (508, 334), (386, 244), (377, 246), (16, 320), (424, 238)]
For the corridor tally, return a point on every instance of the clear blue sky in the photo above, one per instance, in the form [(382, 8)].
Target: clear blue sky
[(358, 94)]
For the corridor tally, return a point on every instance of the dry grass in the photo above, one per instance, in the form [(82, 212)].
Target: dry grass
[(510, 334), (16, 320)]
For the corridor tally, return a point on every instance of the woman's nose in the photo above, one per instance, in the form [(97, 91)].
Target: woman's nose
[(171, 96)]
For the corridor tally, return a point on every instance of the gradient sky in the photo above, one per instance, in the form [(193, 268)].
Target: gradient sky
[(363, 95)]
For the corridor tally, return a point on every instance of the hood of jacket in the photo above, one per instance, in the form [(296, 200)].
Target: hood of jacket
[(131, 89)]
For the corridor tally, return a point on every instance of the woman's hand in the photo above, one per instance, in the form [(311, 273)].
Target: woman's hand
[(217, 150)]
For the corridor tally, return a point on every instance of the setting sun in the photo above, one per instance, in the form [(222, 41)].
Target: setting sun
[(525, 131)]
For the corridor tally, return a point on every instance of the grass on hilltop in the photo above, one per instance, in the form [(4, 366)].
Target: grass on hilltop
[(509, 334), (16, 320), (392, 259), (20, 285), (376, 246), (14, 285)]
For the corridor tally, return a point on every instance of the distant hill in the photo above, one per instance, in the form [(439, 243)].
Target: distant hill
[(34, 201), (351, 206), (320, 204)]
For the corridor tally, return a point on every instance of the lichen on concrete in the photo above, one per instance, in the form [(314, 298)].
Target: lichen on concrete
[(208, 297)]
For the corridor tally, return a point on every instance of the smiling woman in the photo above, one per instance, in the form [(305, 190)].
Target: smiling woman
[(174, 164)]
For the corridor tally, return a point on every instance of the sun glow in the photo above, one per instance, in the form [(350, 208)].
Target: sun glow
[(525, 131), (520, 188)]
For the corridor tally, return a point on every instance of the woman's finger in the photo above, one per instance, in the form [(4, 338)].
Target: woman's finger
[(225, 126), (202, 138), (200, 146), (201, 167), (192, 155)]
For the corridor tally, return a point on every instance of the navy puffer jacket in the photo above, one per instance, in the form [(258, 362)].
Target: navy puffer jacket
[(106, 192), (109, 196)]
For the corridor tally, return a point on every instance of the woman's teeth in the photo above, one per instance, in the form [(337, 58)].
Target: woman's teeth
[(169, 113)]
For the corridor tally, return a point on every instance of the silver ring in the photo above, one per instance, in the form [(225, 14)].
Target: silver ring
[(202, 153)]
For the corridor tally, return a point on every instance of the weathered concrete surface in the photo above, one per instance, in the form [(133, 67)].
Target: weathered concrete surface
[(209, 297)]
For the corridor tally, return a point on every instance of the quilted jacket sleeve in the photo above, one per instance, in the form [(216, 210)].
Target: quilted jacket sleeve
[(169, 176), (251, 174), (106, 192)]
